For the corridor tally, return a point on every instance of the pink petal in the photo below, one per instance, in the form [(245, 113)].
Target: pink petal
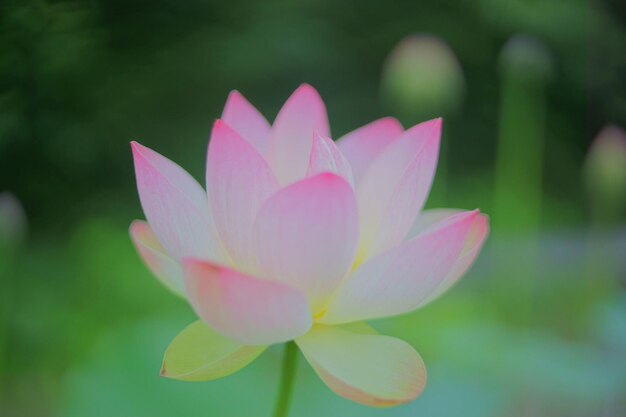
[(243, 308), (292, 133), (175, 206), (428, 218), (404, 278), (306, 235), (395, 187), (326, 157), (373, 370), (473, 244), (238, 181), (362, 145), (246, 120), (168, 271)]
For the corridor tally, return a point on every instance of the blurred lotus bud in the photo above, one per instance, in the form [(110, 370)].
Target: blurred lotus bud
[(527, 56), (525, 65), (12, 220), (605, 173), (422, 79)]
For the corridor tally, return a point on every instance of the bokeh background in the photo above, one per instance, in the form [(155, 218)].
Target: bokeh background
[(538, 326)]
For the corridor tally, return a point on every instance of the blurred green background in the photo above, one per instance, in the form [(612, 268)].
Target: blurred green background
[(538, 326)]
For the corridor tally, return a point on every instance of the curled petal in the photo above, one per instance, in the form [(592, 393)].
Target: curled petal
[(306, 235), (369, 369), (200, 354), (175, 206), (238, 181), (363, 145), (168, 271), (292, 133), (404, 278), (246, 120), (395, 187), (243, 308), (326, 157)]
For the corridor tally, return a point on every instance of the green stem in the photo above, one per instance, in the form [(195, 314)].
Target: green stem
[(286, 380)]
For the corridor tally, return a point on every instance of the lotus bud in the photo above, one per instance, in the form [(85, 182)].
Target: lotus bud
[(525, 65), (13, 223), (605, 173), (422, 78)]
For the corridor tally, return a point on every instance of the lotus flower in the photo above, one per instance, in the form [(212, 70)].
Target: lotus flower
[(299, 238)]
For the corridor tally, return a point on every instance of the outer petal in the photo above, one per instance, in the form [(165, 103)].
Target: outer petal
[(175, 206), (326, 157), (306, 235), (292, 133), (200, 354), (428, 218), (473, 244), (168, 271), (238, 181), (402, 279), (362, 145), (373, 370), (246, 120), (395, 187), (244, 308)]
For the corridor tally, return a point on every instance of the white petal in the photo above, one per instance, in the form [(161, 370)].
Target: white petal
[(373, 370), (326, 157), (167, 270), (238, 181), (246, 120), (363, 145), (306, 235), (244, 308), (395, 187), (175, 206), (200, 354), (473, 244), (401, 279), (292, 133)]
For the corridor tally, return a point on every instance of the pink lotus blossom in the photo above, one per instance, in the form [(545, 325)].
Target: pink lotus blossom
[(297, 237)]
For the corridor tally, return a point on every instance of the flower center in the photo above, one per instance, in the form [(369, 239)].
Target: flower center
[(320, 314)]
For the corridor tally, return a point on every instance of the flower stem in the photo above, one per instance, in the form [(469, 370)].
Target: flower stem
[(286, 380)]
